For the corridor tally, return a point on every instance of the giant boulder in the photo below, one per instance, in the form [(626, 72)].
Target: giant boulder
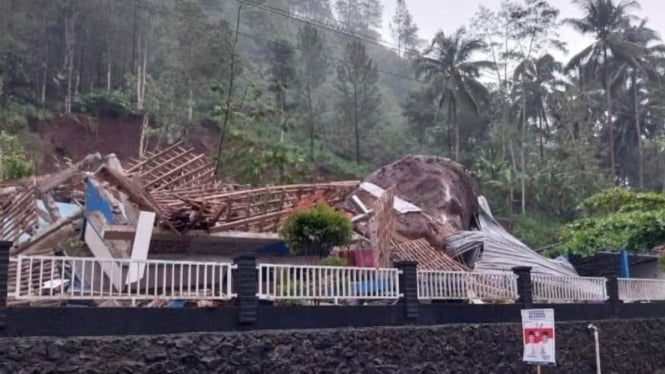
[(442, 188)]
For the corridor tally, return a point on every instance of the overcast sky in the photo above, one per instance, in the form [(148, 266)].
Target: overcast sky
[(447, 15)]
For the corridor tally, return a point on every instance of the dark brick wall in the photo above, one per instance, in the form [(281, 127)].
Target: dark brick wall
[(627, 346)]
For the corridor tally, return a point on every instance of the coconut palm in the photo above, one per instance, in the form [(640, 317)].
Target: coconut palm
[(607, 21), (453, 77), (641, 73), (537, 79), (534, 79)]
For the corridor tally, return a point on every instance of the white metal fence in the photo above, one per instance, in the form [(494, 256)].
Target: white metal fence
[(89, 278), (332, 283), (631, 289), (459, 285), (547, 288)]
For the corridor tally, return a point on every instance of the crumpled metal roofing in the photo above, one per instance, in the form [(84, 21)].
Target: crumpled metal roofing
[(501, 251)]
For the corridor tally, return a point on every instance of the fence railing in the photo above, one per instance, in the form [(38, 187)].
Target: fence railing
[(89, 278), (547, 288), (331, 283), (34, 278), (459, 285), (632, 289)]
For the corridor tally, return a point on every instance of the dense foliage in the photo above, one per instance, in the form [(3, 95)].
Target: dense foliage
[(315, 231), (616, 219), (300, 89)]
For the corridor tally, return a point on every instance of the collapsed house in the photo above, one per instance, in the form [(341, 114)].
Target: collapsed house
[(168, 205)]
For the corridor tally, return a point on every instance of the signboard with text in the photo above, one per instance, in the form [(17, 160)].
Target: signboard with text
[(538, 336)]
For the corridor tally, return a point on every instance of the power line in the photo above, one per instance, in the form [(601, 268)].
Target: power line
[(334, 27), (145, 5)]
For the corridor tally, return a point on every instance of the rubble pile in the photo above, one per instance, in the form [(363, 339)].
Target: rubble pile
[(404, 211)]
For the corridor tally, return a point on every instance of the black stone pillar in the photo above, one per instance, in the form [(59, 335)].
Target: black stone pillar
[(408, 287), (613, 290), (4, 272), (246, 285), (524, 290)]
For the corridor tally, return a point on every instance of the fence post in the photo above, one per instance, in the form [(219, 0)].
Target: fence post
[(613, 290), (4, 275), (408, 287), (245, 279), (524, 287)]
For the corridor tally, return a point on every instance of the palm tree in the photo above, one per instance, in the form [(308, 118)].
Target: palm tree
[(607, 21), (643, 71), (453, 77), (535, 79)]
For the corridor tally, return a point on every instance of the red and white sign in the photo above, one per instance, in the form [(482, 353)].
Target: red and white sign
[(538, 336)]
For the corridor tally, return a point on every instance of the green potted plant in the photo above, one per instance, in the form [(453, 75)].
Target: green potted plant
[(314, 231)]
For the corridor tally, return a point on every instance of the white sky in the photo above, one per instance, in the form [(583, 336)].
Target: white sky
[(447, 15)]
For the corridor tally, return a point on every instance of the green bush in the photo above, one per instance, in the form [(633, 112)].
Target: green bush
[(535, 231), (14, 163), (316, 230), (622, 200), (114, 103), (617, 219)]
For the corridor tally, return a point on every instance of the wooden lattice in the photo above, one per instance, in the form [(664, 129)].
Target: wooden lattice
[(171, 168), (18, 214)]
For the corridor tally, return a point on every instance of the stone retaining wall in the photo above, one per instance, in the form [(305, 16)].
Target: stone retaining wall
[(627, 346)]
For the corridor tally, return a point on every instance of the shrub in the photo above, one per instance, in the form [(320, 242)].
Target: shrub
[(114, 103), (316, 230), (622, 219), (14, 163)]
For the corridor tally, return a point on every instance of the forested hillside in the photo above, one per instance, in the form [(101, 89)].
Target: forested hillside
[(295, 87)]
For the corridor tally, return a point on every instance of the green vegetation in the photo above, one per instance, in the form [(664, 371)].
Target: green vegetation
[(315, 231), (616, 219), (14, 163), (333, 261), (297, 98)]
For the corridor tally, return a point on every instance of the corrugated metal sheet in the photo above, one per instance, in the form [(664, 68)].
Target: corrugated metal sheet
[(502, 251)]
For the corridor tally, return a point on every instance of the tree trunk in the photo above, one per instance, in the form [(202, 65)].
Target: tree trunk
[(69, 58), (608, 121), (541, 129), (310, 116), (139, 73), (42, 96), (108, 68), (522, 151), (638, 133), (229, 94), (355, 121), (142, 139), (456, 125)]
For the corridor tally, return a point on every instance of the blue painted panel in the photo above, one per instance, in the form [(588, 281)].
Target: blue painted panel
[(624, 264), (94, 201)]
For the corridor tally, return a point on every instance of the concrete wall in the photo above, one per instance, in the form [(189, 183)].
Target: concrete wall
[(627, 346)]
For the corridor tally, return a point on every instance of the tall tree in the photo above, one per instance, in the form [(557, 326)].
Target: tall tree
[(283, 74), (317, 9), (358, 94), (644, 72), (404, 30), (312, 73), (453, 76), (361, 16), (538, 78), (606, 21)]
